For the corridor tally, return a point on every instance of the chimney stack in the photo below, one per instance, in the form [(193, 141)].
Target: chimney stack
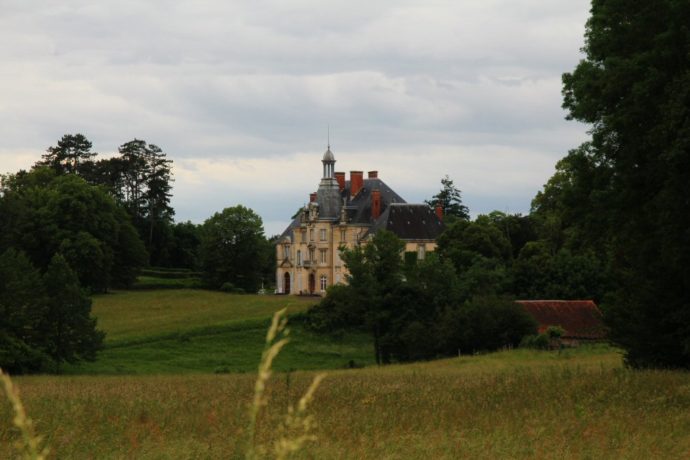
[(375, 204), (373, 174), (356, 182), (439, 211), (340, 177), (312, 197)]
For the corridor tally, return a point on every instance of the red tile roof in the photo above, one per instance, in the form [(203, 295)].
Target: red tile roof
[(581, 319)]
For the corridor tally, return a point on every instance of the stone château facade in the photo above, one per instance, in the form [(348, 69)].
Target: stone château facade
[(345, 213)]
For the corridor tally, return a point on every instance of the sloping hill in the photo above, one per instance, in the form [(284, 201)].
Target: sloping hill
[(197, 331)]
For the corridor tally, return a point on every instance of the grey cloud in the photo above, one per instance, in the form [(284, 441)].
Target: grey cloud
[(261, 79)]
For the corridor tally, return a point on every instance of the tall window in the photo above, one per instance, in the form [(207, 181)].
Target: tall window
[(299, 257), (286, 251), (322, 256), (311, 234), (324, 281), (342, 235), (421, 251), (323, 234), (304, 236), (311, 256)]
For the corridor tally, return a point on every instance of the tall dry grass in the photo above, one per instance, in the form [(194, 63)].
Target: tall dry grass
[(297, 426), (520, 404), (293, 433), (29, 444)]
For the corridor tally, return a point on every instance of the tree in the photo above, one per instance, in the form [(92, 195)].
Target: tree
[(22, 307), (145, 178), (375, 274), (633, 87), (450, 200), (70, 331), (232, 248), (518, 229), (486, 323), (541, 274), (43, 214), (72, 155), (184, 245), (462, 241)]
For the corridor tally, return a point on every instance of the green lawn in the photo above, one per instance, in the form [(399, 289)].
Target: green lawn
[(197, 331), (133, 315)]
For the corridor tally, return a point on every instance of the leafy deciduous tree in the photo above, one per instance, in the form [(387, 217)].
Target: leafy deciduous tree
[(633, 87), (232, 244)]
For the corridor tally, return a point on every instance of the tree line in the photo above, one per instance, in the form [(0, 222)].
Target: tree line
[(611, 224), (461, 297), (75, 225)]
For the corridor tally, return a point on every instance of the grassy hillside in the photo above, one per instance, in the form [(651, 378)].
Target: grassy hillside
[(516, 404), (183, 331)]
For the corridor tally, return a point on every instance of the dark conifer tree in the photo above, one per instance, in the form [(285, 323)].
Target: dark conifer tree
[(450, 199)]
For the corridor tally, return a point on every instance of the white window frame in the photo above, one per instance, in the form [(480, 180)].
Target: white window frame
[(322, 234), (323, 282)]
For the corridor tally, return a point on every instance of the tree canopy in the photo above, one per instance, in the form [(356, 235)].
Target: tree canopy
[(626, 191), (44, 319), (42, 213), (233, 249)]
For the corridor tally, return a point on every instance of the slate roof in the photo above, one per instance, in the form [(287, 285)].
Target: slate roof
[(288, 230), (409, 222), (581, 319), (359, 207)]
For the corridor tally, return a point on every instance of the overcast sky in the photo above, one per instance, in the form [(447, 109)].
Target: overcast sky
[(239, 94)]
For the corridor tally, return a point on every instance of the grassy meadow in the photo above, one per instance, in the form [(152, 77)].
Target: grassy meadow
[(196, 331), (579, 403), (513, 404)]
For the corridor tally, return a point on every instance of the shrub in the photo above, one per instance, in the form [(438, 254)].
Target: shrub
[(536, 341)]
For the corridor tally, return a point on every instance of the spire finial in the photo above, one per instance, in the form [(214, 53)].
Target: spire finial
[(329, 136)]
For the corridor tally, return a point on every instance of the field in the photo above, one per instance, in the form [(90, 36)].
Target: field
[(193, 331), (515, 404)]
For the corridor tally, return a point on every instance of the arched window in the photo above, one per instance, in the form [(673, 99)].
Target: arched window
[(323, 280)]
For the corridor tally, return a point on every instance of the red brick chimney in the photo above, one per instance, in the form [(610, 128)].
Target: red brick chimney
[(312, 197), (340, 177), (373, 174), (356, 182), (375, 204), (439, 211)]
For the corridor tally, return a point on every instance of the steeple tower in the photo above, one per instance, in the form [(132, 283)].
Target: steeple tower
[(328, 194), (328, 161)]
